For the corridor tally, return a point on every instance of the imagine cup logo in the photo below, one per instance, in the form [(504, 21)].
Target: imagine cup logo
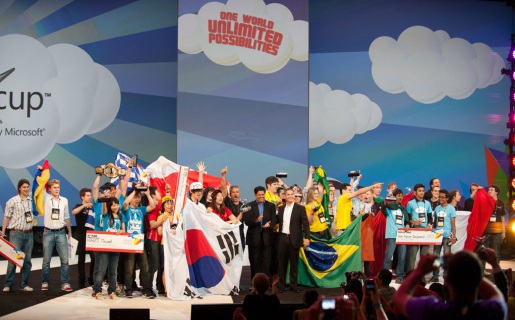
[(262, 37), (50, 95)]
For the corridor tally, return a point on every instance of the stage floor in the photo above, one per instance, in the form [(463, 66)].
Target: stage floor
[(79, 304)]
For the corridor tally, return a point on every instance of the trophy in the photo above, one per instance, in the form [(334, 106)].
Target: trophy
[(110, 170), (135, 160), (244, 205), (139, 185)]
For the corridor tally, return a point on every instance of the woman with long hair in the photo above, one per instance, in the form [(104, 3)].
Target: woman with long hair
[(166, 213), (316, 214), (218, 207), (111, 221)]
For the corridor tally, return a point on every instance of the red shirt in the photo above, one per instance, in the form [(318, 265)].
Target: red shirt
[(151, 233), (224, 217)]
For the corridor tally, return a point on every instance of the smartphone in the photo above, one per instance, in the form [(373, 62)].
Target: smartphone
[(328, 304), (346, 296), (370, 285)]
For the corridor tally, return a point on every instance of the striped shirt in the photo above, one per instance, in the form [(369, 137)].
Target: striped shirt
[(15, 210)]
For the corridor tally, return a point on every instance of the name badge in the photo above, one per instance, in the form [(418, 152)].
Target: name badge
[(321, 216), (28, 217), (440, 220), (493, 218), (422, 217), (398, 218), (55, 214)]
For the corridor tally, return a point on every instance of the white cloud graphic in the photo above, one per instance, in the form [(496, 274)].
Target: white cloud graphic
[(429, 65), (71, 96), (336, 116), (194, 35)]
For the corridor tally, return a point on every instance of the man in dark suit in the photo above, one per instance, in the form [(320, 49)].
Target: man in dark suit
[(292, 221), (260, 220)]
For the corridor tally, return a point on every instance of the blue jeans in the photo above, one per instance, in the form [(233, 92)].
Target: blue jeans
[(401, 256), (437, 250), (106, 261), (24, 242), (58, 240)]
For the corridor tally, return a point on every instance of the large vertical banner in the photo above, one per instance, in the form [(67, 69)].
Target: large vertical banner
[(243, 88), (81, 81), (410, 90)]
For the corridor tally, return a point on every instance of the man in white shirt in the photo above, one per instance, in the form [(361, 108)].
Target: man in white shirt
[(292, 222), (57, 221)]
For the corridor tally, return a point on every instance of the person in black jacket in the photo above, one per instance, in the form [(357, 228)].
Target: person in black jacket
[(293, 234), (260, 220)]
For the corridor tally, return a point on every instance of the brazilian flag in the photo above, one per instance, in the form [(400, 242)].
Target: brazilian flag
[(324, 263), (320, 176)]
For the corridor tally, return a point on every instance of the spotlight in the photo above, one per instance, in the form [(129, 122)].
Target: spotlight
[(513, 205), (513, 183), (511, 54)]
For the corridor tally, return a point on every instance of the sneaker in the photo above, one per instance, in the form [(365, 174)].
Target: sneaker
[(434, 279), (98, 296), (398, 281), (487, 273), (7, 289), (128, 294), (44, 286), (149, 294), (27, 289), (113, 295), (66, 287)]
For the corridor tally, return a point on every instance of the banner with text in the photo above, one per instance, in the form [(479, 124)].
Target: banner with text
[(11, 253), (111, 242), (418, 236)]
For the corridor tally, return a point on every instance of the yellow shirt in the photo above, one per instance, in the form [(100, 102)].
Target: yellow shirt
[(343, 209), (274, 198), (317, 225)]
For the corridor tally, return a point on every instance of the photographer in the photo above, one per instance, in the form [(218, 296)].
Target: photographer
[(372, 303), (471, 295)]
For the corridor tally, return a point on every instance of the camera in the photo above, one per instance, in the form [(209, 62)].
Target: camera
[(281, 175), (353, 173), (328, 304)]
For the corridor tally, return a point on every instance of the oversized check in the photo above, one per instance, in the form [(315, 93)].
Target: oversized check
[(419, 236), (111, 242), (11, 253)]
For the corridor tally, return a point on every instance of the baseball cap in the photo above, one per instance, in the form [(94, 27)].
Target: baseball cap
[(166, 198), (196, 186)]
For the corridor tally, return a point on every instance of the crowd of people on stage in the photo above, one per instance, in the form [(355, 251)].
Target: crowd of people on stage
[(280, 221)]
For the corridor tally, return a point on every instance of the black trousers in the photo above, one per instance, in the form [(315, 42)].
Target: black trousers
[(287, 253), (81, 264), (260, 258)]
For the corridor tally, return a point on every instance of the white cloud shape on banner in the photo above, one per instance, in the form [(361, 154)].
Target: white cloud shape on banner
[(336, 116), (65, 96), (262, 51), (429, 65)]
